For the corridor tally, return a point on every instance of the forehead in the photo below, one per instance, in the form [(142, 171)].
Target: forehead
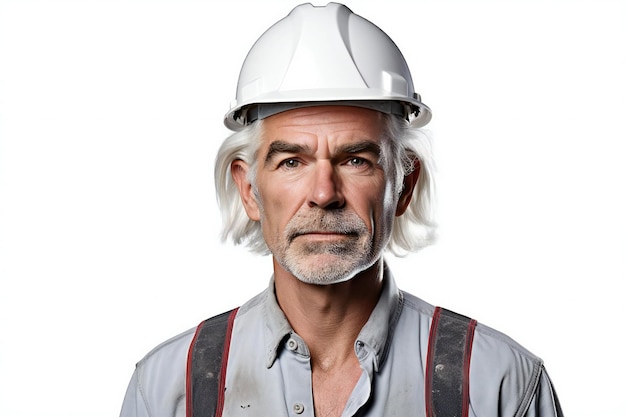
[(343, 122)]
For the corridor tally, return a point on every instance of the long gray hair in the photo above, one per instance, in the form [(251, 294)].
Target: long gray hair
[(403, 144)]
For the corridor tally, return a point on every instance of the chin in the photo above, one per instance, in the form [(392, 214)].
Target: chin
[(328, 271)]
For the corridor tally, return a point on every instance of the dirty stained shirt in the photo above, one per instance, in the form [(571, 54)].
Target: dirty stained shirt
[(269, 370)]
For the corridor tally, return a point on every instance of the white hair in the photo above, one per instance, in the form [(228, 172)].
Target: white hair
[(413, 230)]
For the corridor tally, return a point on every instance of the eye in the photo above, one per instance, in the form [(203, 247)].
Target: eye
[(289, 163), (357, 162)]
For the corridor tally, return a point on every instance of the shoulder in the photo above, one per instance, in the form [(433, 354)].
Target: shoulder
[(504, 375), (170, 347), (487, 340), (503, 363), (158, 382), (160, 376), (169, 358), (162, 370)]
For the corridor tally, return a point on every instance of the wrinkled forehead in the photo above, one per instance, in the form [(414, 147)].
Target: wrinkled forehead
[(325, 122)]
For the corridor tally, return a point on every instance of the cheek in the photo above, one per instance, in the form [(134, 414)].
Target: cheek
[(373, 203), (386, 207), (279, 202)]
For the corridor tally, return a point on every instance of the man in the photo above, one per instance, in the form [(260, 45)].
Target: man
[(327, 170)]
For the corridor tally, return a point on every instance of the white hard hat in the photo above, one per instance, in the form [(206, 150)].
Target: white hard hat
[(324, 55)]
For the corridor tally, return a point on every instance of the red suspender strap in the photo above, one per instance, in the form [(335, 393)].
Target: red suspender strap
[(206, 366), (448, 363)]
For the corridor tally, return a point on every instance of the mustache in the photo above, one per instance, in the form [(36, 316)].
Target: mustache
[(341, 222)]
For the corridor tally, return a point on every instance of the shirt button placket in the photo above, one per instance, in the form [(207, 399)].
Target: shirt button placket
[(298, 366)]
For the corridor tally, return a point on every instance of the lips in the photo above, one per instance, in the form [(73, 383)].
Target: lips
[(323, 233), (320, 222)]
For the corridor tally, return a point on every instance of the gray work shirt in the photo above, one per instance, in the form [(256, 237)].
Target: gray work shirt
[(269, 369)]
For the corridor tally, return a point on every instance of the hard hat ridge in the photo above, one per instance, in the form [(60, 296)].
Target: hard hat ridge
[(324, 55), (310, 69)]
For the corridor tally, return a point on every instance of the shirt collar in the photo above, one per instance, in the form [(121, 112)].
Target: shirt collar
[(276, 325), (375, 334)]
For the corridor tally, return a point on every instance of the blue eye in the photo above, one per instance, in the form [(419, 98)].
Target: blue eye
[(290, 163)]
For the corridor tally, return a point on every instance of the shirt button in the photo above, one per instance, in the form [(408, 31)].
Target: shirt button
[(292, 345), (298, 408)]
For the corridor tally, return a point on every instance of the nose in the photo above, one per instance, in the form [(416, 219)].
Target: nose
[(326, 187)]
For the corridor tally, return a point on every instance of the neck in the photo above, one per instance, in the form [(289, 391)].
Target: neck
[(329, 317)]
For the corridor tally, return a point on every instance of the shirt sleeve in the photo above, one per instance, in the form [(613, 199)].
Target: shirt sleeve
[(134, 404), (545, 402)]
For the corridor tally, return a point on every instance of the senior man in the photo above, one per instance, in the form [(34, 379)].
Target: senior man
[(326, 171)]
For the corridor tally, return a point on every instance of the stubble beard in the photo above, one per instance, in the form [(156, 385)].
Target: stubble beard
[(325, 262)]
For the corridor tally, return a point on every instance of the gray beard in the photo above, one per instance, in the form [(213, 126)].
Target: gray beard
[(349, 256)]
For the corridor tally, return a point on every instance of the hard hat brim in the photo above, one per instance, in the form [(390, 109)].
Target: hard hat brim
[(417, 113)]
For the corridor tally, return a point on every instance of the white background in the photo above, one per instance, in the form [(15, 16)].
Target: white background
[(110, 117)]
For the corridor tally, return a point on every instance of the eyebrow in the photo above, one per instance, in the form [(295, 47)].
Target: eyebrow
[(280, 146), (363, 146)]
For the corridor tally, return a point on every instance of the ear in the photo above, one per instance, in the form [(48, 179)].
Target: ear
[(239, 171), (410, 181)]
